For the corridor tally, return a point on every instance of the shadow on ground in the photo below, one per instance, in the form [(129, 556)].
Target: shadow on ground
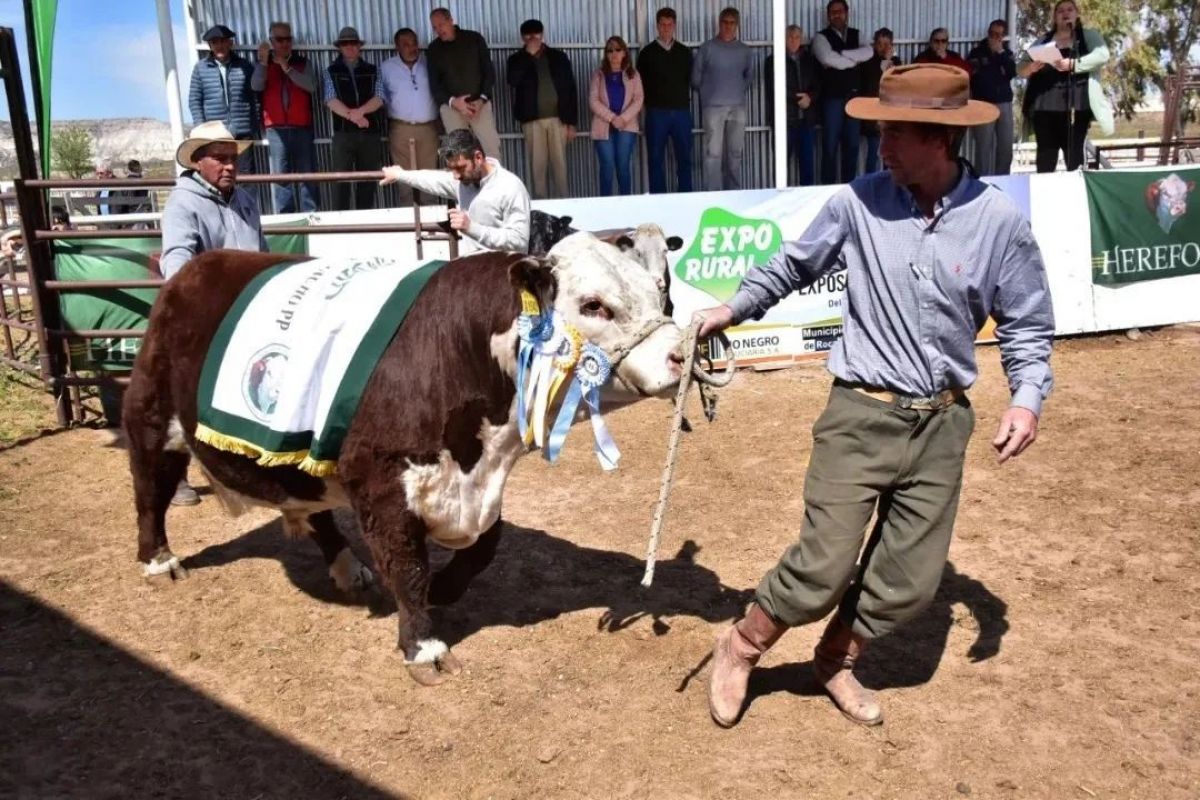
[(85, 719)]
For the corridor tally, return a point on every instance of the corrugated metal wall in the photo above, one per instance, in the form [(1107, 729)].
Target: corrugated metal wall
[(581, 28)]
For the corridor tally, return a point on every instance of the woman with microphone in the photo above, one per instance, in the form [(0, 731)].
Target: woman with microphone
[(1063, 98)]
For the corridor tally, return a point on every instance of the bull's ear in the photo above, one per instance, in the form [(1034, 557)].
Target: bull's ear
[(566, 221), (536, 276), (623, 242), (674, 243)]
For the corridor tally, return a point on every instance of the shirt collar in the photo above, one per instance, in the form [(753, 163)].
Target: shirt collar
[(946, 202)]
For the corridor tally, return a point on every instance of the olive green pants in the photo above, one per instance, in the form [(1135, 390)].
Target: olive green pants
[(871, 457)]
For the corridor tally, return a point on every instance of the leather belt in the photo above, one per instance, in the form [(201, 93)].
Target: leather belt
[(934, 402), (406, 122)]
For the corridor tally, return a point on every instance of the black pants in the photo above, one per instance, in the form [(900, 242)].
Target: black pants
[(359, 150), (1050, 128)]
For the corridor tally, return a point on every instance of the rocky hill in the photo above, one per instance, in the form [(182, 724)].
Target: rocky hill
[(118, 140)]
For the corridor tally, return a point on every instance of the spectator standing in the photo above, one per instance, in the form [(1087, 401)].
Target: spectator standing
[(492, 203), (721, 73), (666, 69), (287, 82), (351, 90), (546, 104), (802, 88), (132, 201), (836, 47), (938, 52), (104, 173), (206, 210), (462, 77), (872, 69), (992, 70), (221, 91), (412, 113), (615, 97), (1060, 102)]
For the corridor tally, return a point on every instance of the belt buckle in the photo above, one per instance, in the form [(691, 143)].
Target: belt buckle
[(904, 401)]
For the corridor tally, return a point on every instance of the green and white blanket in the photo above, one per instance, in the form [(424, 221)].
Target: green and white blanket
[(286, 369)]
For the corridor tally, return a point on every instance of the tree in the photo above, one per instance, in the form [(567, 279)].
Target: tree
[(71, 148), (1147, 39)]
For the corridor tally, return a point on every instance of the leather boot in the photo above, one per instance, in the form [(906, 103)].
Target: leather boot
[(735, 653), (833, 664)]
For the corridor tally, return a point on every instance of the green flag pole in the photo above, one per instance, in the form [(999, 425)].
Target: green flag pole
[(40, 16)]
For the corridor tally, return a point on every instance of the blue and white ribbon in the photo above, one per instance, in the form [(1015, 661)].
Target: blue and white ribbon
[(592, 371)]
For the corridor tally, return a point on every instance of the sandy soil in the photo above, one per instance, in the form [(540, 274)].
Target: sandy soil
[(1059, 659)]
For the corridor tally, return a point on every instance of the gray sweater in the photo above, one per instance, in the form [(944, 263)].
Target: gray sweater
[(721, 72), (197, 218), (498, 206)]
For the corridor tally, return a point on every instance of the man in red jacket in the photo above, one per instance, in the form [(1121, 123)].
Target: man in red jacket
[(287, 82)]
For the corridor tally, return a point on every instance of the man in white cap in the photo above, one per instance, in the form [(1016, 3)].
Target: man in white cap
[(930, 253), (206, 210)]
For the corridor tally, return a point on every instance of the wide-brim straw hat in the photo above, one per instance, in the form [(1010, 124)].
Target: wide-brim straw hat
[(935, 93), (205, 134)]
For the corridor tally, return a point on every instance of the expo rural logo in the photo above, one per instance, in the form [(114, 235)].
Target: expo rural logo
[(726, 246)]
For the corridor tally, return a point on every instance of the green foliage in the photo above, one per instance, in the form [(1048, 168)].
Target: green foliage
[(1147, 40), (71, 148)]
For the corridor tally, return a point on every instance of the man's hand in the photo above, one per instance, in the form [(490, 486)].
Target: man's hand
[(459, 220), (358, 118), (1018, 430), (803, 100), (391, 174), (713, 320), (569, 132), (264, 54)]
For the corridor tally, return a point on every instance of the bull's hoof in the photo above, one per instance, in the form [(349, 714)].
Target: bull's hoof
[(351, 575), (164, 564), (433, 664)]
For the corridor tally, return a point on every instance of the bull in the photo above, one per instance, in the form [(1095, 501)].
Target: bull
[(435, 436)]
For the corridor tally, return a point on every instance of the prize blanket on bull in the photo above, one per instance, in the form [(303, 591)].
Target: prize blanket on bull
[(284, 374)]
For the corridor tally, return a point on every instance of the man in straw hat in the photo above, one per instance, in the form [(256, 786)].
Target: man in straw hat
[(207, 211), (931, 253)]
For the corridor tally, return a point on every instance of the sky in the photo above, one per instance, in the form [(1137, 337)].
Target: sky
[(107, 58)]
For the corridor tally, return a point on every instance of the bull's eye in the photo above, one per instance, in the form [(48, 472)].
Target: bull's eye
[(594, 308)]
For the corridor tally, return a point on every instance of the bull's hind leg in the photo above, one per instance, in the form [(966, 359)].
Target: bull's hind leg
[(348, 573), (397, 541), (158, 459)]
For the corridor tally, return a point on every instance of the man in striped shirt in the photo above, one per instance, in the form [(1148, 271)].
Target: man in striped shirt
[(930, 252)]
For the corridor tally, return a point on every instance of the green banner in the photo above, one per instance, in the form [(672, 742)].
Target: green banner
[(1145, 225), (726, 245), (42, 14), (119, 309)]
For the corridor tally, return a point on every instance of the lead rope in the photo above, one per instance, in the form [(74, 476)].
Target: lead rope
[(707, 385)]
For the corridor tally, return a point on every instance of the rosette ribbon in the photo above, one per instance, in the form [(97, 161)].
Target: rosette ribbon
[(592, 371)]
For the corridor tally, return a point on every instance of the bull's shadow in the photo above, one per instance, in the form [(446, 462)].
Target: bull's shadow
[(534, 577), (909, 656)]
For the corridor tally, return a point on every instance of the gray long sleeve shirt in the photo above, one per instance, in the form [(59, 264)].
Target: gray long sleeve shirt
[(919, 290), (198, 218), (498, 206), (721, 72)]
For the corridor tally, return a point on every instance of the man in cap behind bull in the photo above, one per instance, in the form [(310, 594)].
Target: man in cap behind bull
[(931, 253)]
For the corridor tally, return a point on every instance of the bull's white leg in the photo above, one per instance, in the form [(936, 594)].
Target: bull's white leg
[(165, 563)]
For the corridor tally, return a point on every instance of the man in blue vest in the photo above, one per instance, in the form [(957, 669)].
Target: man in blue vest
[(352, 93), (839, 52), (220, 91)]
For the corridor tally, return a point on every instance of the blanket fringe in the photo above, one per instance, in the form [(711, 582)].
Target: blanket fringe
[(301, 459)]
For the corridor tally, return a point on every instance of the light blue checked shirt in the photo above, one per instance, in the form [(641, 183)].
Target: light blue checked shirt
[(918, 290)]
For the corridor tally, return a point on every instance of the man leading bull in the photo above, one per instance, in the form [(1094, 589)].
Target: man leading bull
[(931, 253)]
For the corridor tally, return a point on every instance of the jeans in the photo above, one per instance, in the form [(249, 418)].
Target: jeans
[(291, 150), (800, 149), (724, 142), (676, 125), (994, 143), (871, 140), (615, 152), (838, 127), (356, 151)]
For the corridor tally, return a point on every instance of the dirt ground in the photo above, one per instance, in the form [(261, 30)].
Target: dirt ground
[(1058, 661)]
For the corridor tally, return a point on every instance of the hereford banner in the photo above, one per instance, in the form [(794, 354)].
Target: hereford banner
[(1145, 225)]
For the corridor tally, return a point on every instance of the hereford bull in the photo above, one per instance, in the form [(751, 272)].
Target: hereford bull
[(435, 436)]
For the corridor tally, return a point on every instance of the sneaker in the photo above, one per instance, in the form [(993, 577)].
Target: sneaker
[(185, 495)]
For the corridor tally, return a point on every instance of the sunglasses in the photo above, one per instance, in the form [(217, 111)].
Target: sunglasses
[(281, 38), (941, 41)]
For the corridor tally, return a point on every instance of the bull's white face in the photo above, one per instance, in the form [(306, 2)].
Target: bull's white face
[(1172, 200), (610, 297)]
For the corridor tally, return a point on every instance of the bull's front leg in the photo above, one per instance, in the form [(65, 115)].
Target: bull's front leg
[(396, 537), (449, 583)]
